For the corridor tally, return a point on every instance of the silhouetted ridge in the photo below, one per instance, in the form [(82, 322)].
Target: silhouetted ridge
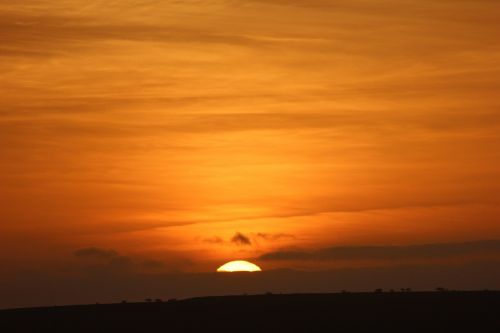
[(422, 312)]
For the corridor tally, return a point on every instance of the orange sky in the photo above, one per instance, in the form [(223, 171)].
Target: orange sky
[(161, 129)]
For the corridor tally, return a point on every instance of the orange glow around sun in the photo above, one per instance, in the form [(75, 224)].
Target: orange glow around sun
[(239, 266)]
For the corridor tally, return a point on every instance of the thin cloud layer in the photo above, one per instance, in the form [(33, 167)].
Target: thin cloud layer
[(94, 252), (426, 251)]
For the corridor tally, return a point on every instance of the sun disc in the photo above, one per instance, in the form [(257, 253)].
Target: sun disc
[(239, 266)]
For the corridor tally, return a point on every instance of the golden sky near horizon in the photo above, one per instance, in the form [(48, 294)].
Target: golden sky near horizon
[(162, 129)]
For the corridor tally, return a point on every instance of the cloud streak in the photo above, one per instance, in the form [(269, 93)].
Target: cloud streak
[(96, 253), (426, 251)]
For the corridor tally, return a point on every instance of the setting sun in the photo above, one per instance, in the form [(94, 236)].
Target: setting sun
[(239, 266)]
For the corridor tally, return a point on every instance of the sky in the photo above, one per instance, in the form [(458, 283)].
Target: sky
[(169, 137)]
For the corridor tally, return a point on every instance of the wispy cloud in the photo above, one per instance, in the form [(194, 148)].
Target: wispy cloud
[(241, 239)]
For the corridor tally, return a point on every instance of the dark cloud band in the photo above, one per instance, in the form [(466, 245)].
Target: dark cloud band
[(427, 251)]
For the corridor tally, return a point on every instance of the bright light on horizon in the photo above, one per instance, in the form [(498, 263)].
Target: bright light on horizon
[(239, 266)]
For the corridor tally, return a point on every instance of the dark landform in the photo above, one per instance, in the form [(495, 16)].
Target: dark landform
[(402, 311)]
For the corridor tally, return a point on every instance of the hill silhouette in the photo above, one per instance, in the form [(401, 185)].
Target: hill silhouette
[(444, 311)]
